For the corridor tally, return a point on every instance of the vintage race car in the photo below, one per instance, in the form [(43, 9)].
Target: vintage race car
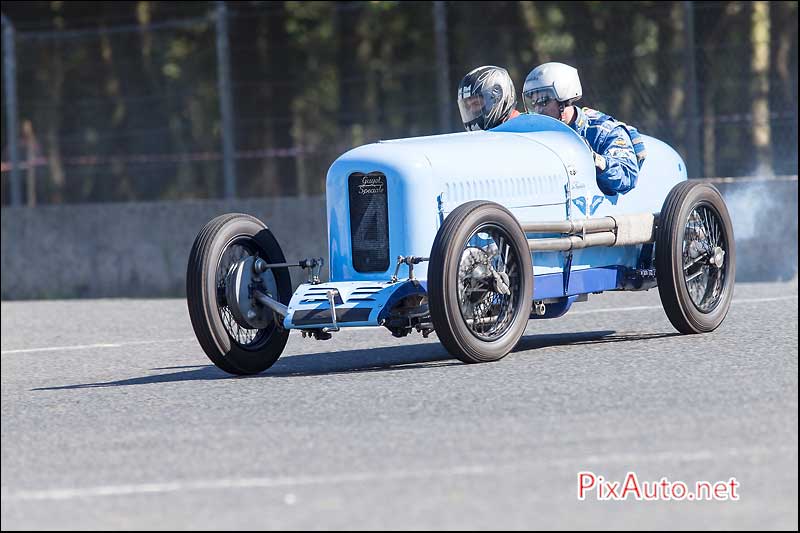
[(468, 235)]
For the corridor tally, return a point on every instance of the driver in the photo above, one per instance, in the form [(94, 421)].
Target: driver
[(486, 98), (551, 89)]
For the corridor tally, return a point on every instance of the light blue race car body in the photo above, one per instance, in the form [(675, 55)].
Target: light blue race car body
[(389, 199)]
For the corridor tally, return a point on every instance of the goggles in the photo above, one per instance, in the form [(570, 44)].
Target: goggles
[(537, 99)]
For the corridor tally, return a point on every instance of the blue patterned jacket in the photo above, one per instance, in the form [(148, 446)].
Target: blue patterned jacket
[(620, 146)]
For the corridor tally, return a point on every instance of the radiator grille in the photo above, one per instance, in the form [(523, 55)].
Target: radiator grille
[(369, 221)]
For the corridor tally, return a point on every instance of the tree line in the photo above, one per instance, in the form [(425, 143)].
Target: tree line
[(119, 101)]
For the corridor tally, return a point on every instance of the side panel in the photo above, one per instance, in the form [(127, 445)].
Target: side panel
[(580, 282), (582, 197), (661, 171), (536, 166)]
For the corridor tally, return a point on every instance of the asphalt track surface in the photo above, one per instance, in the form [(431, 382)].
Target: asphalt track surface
[(112, 417)]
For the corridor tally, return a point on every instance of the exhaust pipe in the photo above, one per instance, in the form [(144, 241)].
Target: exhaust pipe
[(573, 242), (587, 225), (621, 230)]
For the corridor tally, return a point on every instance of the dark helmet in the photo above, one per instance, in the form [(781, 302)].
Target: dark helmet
[(486, 98)]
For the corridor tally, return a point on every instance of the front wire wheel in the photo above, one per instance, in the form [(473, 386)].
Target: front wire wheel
[(237, 250), (231, 344)]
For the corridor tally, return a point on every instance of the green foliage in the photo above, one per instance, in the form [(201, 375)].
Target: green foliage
[(123, 97)]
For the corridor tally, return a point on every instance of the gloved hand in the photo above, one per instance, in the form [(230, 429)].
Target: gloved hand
[(599, 160)]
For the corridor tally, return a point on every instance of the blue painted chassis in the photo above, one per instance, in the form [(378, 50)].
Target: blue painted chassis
[(535, 166)]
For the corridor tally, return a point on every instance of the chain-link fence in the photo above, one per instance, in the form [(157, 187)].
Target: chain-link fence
[(134, 108)]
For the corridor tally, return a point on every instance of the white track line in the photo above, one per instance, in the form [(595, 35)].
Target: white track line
[(188, 339), (746, 179), (90, 346), (618, 309), (392, 475), (652, 307)]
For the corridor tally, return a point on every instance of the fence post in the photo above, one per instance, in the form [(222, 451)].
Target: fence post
[(442, 64), (12, 129), (694, 122), (226, 100)]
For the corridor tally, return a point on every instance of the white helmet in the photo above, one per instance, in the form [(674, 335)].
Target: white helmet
[(551, 80)]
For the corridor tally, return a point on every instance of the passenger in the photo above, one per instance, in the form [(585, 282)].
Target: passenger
[(551, 89), (486, 98)]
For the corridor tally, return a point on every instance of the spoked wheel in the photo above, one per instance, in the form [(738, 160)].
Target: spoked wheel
[(695, 257), (239, 335), (480, 282), (247, 334)]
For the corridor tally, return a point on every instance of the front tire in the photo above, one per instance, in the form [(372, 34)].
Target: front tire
[(480, 282), (695, 257), (234, 347)]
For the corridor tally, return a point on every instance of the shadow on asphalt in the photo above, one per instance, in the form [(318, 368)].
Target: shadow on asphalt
[(532, 342), (393, 358)]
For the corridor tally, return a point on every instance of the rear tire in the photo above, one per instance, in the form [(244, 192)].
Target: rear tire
[(233, 347), (474, 319), (695, 257)]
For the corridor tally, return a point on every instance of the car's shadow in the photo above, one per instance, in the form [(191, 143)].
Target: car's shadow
[(388, 359)]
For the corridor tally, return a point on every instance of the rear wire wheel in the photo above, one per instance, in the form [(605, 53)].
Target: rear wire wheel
[(480, 282), (695, 257)]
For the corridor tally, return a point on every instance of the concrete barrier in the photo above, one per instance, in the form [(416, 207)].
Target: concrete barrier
[(134, 249), (141, 249)]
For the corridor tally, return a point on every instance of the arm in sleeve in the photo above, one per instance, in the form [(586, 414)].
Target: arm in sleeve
[(621, 168)]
